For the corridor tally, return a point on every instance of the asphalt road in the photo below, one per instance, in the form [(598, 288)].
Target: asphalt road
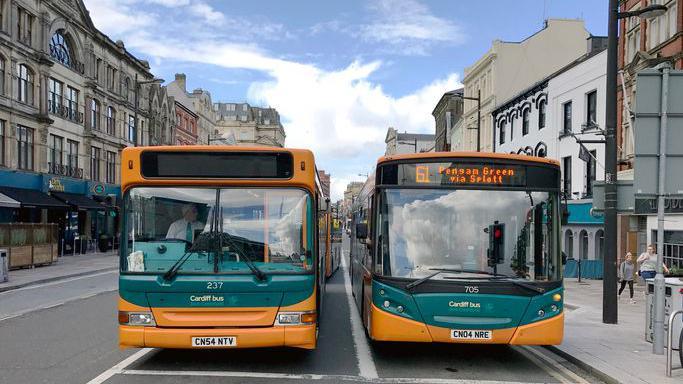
[(65, 332)]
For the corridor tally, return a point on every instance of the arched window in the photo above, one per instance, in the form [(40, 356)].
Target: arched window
[(541, 114), (599, 244), (95, 115), (60, 49), (525, 122), (583, 244), (529, 151), (541, 149), (111, 121), (24, 84), (569, 243), (501, 129)]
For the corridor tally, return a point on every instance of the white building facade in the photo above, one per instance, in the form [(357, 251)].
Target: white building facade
[(546, 120)]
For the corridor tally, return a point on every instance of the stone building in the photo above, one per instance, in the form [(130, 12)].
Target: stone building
[(242, 124), (509, 67), (67, 94), (399, 143), (206, 116), (447, 113), (325, 182)]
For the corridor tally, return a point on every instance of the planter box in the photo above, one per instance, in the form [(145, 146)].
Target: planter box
[(42, 254), (20, 256)]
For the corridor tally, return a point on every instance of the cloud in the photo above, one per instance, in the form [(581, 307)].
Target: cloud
[(116, 17), (340, 113), (409, 27), (170, 3), (207, 12)]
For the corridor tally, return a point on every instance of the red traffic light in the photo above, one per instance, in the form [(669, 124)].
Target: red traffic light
[(497, 233)]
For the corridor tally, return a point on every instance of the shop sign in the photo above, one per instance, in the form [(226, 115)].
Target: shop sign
[(98, 189), (55, 184), (649, 206)]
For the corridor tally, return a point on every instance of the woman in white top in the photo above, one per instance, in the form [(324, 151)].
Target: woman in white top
[(648, 263)]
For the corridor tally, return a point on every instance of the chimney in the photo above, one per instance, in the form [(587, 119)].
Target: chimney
[(180, 79), (596, 44)]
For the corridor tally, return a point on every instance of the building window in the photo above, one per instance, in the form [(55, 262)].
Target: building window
[(131, 129), (2, 69), (632, 37), (72, 156), (541, 114), (525, 122), (60, 49), (94, 164), (98, 69), (111, 78), (599, 244), (126, 88), (24, 84), (567, 118), (111, 167), (512, 127), (54, 96), (24, 26), (569, 243), (567, 176), (94, 115), (111, 121), (25, 147), (72, 105), (501, 133), (590, 173), (583, 244), (56, 154), (2, 134), (591, 109)]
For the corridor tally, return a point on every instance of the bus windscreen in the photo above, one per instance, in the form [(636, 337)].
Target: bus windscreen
[(245, 165)]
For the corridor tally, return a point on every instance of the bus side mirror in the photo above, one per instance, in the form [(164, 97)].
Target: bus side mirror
[(361, 231)]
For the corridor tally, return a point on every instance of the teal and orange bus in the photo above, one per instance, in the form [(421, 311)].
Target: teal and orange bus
[(221, 247), (459, 248)]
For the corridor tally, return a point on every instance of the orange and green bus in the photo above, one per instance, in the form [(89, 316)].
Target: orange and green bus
[(220, 247), (460, 248)]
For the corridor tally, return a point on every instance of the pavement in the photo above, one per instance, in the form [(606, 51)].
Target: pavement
[(615, 353), (65, 267)]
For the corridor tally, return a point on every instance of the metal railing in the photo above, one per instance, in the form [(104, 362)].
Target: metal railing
[(669, 338), (64, 170)]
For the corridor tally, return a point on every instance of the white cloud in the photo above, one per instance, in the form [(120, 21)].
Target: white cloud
[(116, 17), (409, 27), (170, 3), (340, 114), (207, 12)]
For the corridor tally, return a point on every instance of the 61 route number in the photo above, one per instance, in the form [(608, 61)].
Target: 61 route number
[(214, 285)]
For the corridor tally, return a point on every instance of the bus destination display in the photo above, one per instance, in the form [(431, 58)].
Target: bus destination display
[(252, 165), (464, 174)]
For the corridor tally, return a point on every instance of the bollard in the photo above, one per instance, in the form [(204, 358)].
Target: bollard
[(4, 266), (670, 347)]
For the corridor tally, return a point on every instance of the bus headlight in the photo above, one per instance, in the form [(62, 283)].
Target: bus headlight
[(137, 318), (295, 318)]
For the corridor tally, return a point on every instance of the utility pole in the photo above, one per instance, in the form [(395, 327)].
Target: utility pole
[(478, 128), (609, 282)]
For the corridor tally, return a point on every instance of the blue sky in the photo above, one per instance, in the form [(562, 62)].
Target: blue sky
[(339, 72)]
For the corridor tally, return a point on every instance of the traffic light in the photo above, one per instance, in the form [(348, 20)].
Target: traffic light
[(496, 251)]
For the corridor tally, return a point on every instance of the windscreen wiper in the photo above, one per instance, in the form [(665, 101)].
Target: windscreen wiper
[(519, 283), (415, 283), (250, 263)]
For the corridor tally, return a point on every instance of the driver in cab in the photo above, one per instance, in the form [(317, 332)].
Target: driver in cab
[(185, 227)]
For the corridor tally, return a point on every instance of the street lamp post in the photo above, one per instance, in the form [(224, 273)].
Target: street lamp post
[(135, 108), (478, 128), (609, 291)]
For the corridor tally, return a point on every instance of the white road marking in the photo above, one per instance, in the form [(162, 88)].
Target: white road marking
[(118, 368), (366, 365), (57, 282), (556, 364), (53, 305), (283, 376), (551, 367)]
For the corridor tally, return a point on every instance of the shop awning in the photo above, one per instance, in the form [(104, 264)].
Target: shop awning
[(8, 202), (80, 202), (31, 198)]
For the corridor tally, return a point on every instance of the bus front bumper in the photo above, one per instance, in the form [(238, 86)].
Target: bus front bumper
[(299, 336)]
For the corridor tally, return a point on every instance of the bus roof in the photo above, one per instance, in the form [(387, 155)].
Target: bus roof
[(218, 148), (467, 154)]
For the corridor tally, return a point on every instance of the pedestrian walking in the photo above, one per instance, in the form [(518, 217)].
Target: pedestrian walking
[(648, 263), (627, 270)]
